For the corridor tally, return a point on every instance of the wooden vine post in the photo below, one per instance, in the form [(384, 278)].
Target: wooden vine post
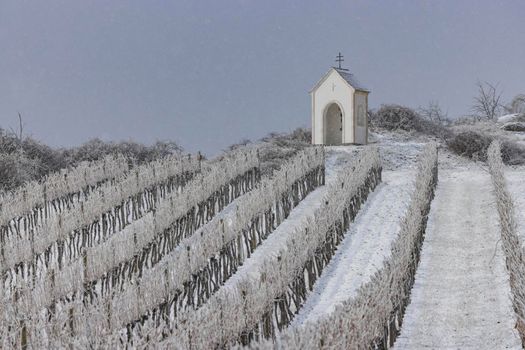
[(23, 338)]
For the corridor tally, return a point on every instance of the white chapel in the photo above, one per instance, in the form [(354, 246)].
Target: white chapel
[(339, 109)]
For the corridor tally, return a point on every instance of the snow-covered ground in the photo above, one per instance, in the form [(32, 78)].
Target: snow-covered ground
[(519, 137), (516, 186), (335, 160), (461, 297), (508, 118), (365, 246), (397, 152), (367, 242)]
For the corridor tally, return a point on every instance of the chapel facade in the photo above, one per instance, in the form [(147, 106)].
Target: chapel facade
[(339, 109)]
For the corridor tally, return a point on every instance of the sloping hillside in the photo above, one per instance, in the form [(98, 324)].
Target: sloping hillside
[(330, 249)]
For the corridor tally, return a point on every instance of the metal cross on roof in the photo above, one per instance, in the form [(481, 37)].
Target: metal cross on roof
[(339, 59)]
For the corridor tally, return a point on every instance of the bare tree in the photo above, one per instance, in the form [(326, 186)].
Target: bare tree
[(434, 113), (488, 102)]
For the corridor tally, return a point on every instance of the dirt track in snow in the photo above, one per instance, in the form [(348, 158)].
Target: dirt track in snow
[(461, 297)]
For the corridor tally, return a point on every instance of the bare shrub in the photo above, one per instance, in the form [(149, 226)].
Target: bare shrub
[(434, 113), (465, 120), (487, 104), (16, 168), (96, 149), (48, 159), (276, 148), (474, 145), (24, 159), (242, 143), (512, 153), (470, 144), (396, 117)]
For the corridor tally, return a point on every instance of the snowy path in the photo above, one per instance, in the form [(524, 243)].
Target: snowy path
[(365, 246), (270, 247), (305, 209), (461, 297), (516, 185)]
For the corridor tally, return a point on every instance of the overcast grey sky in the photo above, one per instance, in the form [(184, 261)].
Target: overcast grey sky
[(209, 73)]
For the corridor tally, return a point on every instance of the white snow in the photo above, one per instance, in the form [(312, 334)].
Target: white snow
[(365, 246), (519, 137), (508, 118), (396, 152), (516, 186), (461, 297)]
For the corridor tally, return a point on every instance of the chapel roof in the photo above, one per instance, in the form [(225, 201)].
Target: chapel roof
[(347, 76), (351, 79)]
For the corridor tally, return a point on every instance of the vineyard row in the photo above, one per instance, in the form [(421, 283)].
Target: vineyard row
[(59, 188), (260, 304), (373, 318)]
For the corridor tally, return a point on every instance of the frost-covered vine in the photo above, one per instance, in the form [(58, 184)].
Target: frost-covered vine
[(27, 258), (511, 242), (75, 260), (205, 261), (57, 189), (255, 306), (116, 201), (373, 318)]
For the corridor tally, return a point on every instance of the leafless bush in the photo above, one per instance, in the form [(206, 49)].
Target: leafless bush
[(96, 149), (276, 148), (487, 104), (512, 153), (15, 169), (465, 120), (25, 159), (242, 143), (434, 113), (474, 145), (470, 144), (396, 117)]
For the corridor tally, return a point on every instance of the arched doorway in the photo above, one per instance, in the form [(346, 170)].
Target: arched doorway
[(333, 125)]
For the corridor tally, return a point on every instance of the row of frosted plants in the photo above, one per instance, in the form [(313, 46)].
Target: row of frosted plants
[(150, 256), (511, 238)]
